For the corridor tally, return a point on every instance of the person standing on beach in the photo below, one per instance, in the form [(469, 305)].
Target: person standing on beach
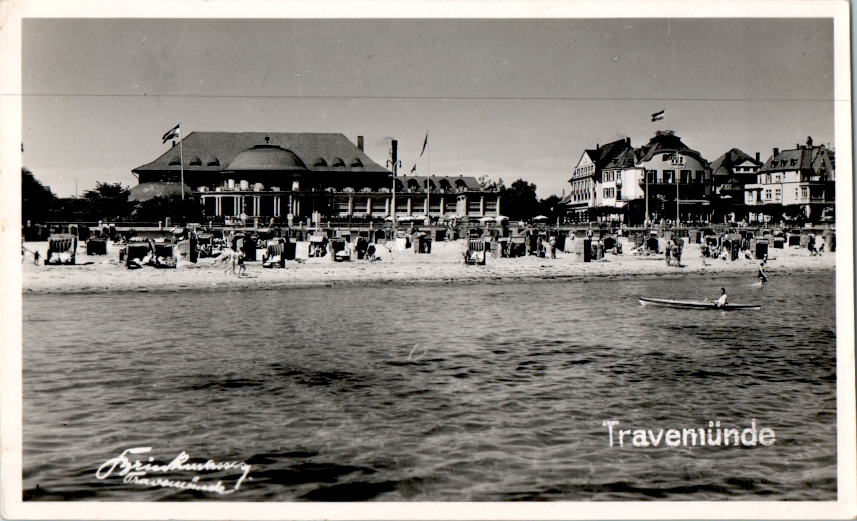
[(231, 261), (668, 252), (242, 268), (762, 276)]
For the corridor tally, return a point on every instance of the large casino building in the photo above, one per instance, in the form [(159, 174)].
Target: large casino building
[(265, 175)]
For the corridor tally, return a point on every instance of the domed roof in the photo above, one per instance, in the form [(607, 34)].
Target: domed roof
[(146, 191), (267, 157)]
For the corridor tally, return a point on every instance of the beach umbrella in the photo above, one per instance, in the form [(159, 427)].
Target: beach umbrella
[(501, 218), (540, 218)]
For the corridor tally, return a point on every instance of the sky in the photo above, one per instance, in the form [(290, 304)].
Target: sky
[(506, 98)]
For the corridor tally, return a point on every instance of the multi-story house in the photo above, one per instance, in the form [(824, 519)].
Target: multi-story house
[(620, 183), (677, 180), (793, 183), (586, 181), (731, 172)]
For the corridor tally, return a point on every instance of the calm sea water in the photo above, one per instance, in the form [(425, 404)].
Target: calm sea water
[(449, 393)]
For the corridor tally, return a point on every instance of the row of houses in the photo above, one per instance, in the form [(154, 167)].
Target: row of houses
[(298, 176), (667, 180)]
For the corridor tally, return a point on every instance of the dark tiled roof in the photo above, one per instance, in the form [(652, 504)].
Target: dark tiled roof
[(624, 159), (725, 163), (666, 141), (214, 151), (470, 182), (810, 160), (609, 152)]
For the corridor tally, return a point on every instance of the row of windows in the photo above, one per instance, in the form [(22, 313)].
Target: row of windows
[(610, 193), (777, 192), (584, 170), (669, 176), (784, 162)]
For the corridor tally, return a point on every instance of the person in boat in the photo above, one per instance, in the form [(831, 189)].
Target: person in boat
[(721, 302)]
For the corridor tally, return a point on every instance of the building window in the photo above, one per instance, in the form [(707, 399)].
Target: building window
[(685, 177), (779, 194), (677, 160), (804, 192), (669, 176), (652, 176), (767, 179), (767, 195)]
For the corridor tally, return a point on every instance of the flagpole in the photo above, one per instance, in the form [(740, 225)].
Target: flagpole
[(428, 180), (677, 214), (646, 178), (393, 158), (181, 160)]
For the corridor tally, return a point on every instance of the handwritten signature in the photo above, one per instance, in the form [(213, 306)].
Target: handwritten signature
[(137, 472)]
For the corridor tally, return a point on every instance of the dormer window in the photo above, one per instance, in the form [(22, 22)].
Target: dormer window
[(213, 162), (338, 163), (175, 162), (195, 162), (356, 163)]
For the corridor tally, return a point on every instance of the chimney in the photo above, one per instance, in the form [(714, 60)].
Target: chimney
[(628, 141), (360, 143), (758, 157), (776, 152), (809, 141)]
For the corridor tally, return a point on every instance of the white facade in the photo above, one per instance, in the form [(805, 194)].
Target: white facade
[(583, 193)]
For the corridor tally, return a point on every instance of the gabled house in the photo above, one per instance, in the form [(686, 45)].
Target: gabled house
[(731, 172), (587, 191), (795, 183)]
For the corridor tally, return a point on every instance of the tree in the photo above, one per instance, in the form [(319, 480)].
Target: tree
[(108, 202), (158, 208), (551, 208), (519, 201), (37, 200)]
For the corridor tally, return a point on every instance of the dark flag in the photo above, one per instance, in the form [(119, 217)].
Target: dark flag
[(173, 133), (657, 116), (414, 168), (425, 143)]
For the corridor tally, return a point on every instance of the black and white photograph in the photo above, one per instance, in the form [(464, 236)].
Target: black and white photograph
[(377, 260)]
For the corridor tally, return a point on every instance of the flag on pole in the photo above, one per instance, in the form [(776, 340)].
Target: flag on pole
[(657, 116), (173, 133), (414, 168), (425, 143)]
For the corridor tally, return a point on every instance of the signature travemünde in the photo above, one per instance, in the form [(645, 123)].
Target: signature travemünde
[(144, 471)]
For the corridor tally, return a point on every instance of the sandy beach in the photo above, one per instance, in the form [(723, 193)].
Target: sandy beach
[(93, 274)]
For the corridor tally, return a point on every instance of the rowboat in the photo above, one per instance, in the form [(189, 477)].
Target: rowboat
[(695, 304)]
